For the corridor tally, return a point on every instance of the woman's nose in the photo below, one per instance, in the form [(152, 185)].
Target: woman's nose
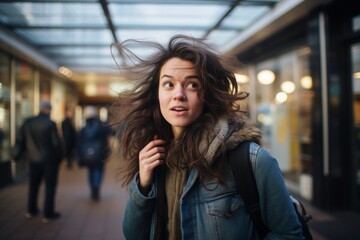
[(179, 94)]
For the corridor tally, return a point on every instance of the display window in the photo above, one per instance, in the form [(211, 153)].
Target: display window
[(4, 108), (283, 111), (355, 66), (24, 98)]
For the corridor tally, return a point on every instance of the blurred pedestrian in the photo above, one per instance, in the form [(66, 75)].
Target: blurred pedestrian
[(39, 143), (69, 137), (182, 119), (93, 149)]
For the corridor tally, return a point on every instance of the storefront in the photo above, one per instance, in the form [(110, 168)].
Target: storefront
[(304, 89), (355, 137), (22, 87), (5, 164)]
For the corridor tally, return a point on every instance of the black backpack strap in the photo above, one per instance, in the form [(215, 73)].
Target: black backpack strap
[(245, 180)]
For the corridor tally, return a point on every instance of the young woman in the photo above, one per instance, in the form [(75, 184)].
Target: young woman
[(177, 125)]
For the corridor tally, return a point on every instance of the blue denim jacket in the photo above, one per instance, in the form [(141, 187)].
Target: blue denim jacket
[(215, 211)]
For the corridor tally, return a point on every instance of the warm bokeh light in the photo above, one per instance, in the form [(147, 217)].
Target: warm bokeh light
[(264, 119), (356, 75), (281, 97), (65, 71), (266, 77), (241, 78), (288, 87), (90, 89), (119, 87), (306, 82)]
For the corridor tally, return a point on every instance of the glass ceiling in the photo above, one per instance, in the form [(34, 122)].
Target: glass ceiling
[(78, 34)]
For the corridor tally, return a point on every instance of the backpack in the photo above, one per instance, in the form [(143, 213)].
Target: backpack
[(91, 146), (243, 172), (90, 153)]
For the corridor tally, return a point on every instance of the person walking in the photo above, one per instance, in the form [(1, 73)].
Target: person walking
[(39, 143), (93, 149), (69, 137), (181, 120)]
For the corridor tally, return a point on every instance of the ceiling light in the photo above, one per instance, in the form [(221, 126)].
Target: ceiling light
[(65, 71), (266, 77)]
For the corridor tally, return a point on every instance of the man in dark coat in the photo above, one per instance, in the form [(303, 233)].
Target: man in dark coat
[(40, 144), (69, 137)]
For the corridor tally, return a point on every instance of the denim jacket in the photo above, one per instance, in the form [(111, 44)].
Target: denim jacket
[(216, 211)]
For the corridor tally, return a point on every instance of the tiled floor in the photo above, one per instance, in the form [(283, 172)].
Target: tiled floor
[(83, 219)]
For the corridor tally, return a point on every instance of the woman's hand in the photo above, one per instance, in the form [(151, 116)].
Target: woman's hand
[(151, 156)]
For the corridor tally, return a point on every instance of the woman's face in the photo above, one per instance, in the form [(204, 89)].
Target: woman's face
[(179, 100)]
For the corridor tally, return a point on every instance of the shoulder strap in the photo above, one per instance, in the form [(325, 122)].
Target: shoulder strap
[(245, 180)]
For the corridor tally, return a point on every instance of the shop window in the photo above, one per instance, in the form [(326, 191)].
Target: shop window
[(4, 108), (356, 23), (355, 66), (24, 81), (283, 112), (24, 77), (45, 86)]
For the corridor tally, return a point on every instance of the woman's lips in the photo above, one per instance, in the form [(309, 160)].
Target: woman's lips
[(179, 110)]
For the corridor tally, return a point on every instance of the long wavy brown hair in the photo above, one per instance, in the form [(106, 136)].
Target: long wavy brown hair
[(136, 113)]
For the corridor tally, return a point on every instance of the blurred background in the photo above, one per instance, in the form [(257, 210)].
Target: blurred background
[(301, 66)]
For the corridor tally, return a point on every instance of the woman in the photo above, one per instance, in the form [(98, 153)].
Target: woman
[(178, 122)]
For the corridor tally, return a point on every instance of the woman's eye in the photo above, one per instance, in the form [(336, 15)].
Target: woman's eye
[(167, 84), (193, 85)]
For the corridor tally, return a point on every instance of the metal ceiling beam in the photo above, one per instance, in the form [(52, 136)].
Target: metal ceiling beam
[(200, 2), (105, 8), (23, 50), (47, 1), (136, 27), (232, 7), (285, 13), (23, 26), (44, 46), (57, 57)]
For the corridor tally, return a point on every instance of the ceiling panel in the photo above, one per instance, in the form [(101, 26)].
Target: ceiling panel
[(53, 14), (243, 16), (81, 51), (70, 37), (78, 34), (166, 15)]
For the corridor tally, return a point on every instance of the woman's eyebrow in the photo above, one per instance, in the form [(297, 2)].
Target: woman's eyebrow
[(165, 75), (188, 77), (191, 77)]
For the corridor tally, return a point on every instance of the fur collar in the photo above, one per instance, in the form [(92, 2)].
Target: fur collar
[(232, 132)]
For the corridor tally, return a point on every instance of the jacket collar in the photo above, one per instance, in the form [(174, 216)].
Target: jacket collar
[(231, 132)]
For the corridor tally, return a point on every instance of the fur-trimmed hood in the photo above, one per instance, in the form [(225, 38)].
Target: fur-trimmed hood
[(232, 132)]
